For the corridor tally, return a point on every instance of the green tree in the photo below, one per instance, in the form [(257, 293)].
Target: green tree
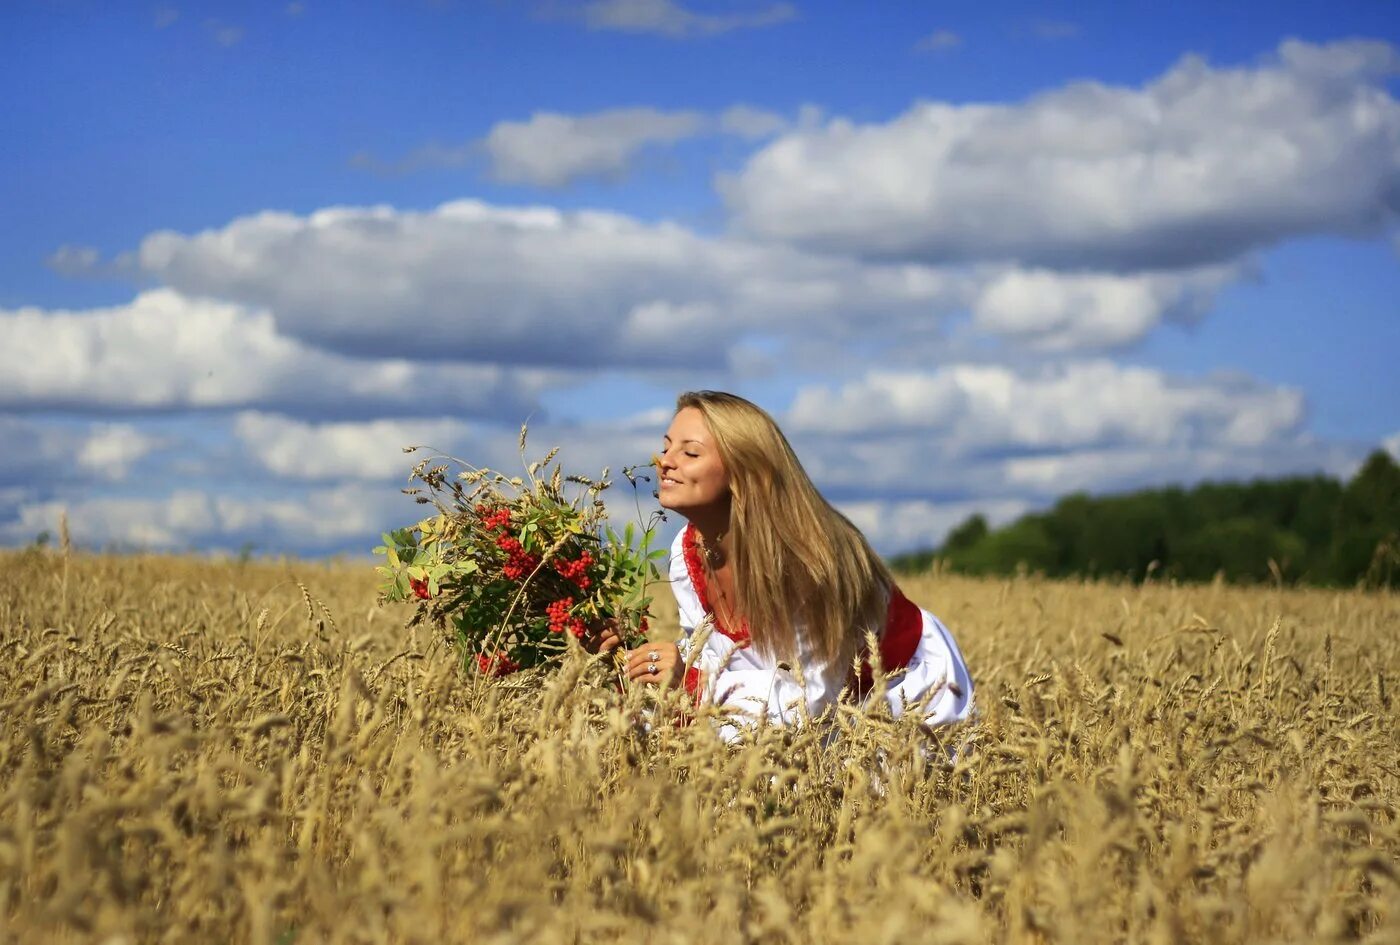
[(1366, 535), (970, 532)]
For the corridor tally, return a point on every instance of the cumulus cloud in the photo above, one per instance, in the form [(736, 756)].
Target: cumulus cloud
[(537, 286), (669, 18), (165, 351), (70, 260), (534, 285), (295, 449), (552, 149), (373, 450), (330, 519), (38, 453), (111, 449), (972, 436), (77, 262), (969, 409), (1197, 167), (1055, 311), (895, 526)]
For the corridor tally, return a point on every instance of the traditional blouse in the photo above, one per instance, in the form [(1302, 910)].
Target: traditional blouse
[(916, 650)]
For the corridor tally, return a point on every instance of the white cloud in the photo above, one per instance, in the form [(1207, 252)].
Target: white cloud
[(38, 453), (551, 149), (534, 285), (746, 121), (1198, 166), (293, 449), (166, 351), (894, 526), (979, 435), (320, 520), (373, 450), (1391, 444), (112, 449), (939, 41), (1135, 467), (669, 18), (70, 260), (967, 409), (1055, 311), (434, 154)]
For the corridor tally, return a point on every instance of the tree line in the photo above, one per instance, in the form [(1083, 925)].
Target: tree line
[(1297, 530)]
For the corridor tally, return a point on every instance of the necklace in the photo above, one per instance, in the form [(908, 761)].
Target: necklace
[(691, 549), (714, 556)]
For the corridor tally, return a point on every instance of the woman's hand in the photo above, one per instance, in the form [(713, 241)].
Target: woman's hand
[(655, 663), (602, 637)]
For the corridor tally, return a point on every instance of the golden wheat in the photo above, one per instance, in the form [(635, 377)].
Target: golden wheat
[(218, 752)]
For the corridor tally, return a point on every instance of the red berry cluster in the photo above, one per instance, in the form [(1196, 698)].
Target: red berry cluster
[(420, 587), (498, 665), (521, 562), (559, 619), (576, 571), (500, 518)]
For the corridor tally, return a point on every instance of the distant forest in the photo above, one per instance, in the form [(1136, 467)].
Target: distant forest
[(1301, 530)]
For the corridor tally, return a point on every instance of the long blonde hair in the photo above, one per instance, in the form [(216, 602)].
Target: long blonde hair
[(796, 559)]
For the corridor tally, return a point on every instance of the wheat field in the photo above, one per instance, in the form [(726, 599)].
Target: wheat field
[(199, 751)]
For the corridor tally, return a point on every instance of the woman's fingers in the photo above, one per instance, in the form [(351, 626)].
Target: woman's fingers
[(602, 637), (644, 656), (654, 663)]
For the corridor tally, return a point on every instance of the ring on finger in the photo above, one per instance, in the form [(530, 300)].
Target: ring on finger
[(654, 669), (653, 656)]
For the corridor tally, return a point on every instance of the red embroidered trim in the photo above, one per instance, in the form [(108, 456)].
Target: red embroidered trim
[(696, 571), (904, 627), (693, 684)]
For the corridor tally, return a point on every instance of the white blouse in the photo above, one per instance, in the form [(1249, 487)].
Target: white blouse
[(753, 688)]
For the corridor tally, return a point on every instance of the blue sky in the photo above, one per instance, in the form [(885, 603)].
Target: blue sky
[(972, 256)]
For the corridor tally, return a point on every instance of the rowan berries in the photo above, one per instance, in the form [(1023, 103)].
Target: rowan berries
[(559, 619), (576, 570), (498, 665), (519, 562)]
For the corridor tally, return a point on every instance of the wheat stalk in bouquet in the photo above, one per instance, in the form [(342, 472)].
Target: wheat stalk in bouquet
[(511, 567)]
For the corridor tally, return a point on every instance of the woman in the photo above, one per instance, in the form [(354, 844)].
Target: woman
[(785, 585)]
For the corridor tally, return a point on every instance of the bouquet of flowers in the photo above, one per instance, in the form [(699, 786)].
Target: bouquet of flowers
[(511, 567)]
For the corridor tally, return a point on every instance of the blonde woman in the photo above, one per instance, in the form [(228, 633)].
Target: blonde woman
[(776, 588)]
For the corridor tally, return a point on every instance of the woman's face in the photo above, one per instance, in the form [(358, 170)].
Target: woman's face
[(692, 475)]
